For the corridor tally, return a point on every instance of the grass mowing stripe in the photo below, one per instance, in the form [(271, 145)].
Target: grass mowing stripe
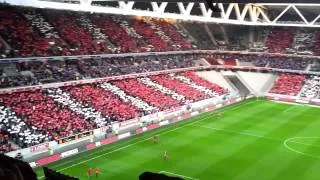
[(185, 123), (259, 136), (124, 147), (115, 145)]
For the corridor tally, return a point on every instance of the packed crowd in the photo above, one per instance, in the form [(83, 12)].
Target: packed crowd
[(41, 72), (179, 87), (279, 39), (311, 87), (103, 101), (32, 117), (23, 133), (41, 111), (5, 146), (203, 82), (33, 32), (288, 84), (280, 62), (148, 94), (302, 42)]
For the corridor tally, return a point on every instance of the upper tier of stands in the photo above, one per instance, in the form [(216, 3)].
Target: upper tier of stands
[(36, 32), (31, 32), (279, 39)]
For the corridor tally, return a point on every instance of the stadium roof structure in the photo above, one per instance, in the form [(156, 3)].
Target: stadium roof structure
[(298, 13)]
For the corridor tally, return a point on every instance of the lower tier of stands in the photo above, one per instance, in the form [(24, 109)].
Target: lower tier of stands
[(288, 84), (32, 117)]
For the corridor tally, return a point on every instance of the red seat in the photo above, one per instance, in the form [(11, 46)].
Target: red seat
[(41, 111), (279, 39), (148, 94), (107, 103), (179, 87), (288, 84), (202, 82)]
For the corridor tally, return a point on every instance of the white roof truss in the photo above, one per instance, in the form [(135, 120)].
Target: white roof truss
[(245, 14)]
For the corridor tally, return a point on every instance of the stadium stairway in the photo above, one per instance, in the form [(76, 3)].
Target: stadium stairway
[(258, 82), (217, 78)]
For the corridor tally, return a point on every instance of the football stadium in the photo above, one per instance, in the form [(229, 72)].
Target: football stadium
[(176, 89)]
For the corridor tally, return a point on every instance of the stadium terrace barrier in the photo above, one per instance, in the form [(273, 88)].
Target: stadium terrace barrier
[(71, 148), (69, 153), (91, 146), (48, 160), (40, 147), (253, 53), (105, 79), (292, 99), (109, 140), (81, 57), (75, 137)]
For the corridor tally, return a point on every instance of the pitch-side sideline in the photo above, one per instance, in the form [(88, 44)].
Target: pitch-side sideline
[(232, 107)]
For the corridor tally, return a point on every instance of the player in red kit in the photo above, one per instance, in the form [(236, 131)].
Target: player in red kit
[(90, 172), (97, 172)]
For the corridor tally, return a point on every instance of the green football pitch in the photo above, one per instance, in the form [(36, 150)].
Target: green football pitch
[(255, 139)]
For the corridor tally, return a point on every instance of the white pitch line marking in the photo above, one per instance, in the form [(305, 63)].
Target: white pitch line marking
[(235, 106), (129, 145), (179, 175), (299, 152)]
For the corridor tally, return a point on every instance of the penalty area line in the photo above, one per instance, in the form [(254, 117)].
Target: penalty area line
[(179, 175)]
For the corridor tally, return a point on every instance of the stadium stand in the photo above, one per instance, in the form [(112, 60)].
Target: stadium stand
[(41, 72), (5, 146), (179, 42), (226, 62), (148, 94), (103, 101), (33, 117), (288, 84), (302, 42), (184, 89), (84, 33), (311, 87), (316, 48), (279, 39), (202, 82), (289, 63), (75, 35), (89, 113), (42, 112), (146, 108), (25, 40), (117, 35), (149, 33), (20, 132), (161, 88), (296, 63)]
